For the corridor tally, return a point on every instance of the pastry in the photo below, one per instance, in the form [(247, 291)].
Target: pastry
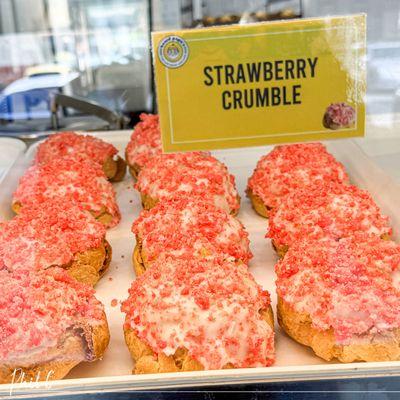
[(332, 210), (288, 168), (55, 234), (192, 175), (191, 313), (191, 226), (341, 298), (49, 323), (70, 143), (339, 116), (69, 179), (145, 142)]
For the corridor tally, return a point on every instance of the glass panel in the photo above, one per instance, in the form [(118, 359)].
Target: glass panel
[(96, 49)]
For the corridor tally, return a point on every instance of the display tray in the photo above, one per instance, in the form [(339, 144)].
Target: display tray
[(10, 150), (293, 361)]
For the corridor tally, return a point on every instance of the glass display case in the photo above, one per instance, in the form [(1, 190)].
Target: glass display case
[(86, 66), (97, 50), (218, 13), (104, 57)]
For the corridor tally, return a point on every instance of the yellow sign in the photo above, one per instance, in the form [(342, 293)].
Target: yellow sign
[(249, 85)]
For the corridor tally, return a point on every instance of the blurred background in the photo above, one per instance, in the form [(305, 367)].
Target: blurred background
[(85, 64)]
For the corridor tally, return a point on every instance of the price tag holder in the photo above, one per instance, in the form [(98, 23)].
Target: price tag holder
[(251, 85)]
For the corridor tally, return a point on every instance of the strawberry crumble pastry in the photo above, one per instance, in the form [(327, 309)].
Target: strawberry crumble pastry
[(145, 142), (190, 174), (342, 298), (49, 323), (55, 234), (289, 168), (336, 211), (70, 143), (189, 226), (69, 179), (209, 314), (339, 115)]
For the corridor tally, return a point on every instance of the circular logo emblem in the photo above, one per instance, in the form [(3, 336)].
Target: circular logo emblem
[(173, 51)]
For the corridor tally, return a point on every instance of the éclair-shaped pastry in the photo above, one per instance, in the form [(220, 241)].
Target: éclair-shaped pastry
[(54, 234), (190, 174), (145, 142), (332, 210), (341, 298), (49, 323), (70, 143), (71, 180), (188, 313), (289, 168), (191, 226)]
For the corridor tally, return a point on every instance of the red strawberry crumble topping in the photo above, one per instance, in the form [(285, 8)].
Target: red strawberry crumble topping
[(68, 179), (37, 309), (187, 175), (347, 285), (333, 210), (291, 167), (210, 306), (48, 234), (185, 225), (70, 143), (145, 140), (114, 303)]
